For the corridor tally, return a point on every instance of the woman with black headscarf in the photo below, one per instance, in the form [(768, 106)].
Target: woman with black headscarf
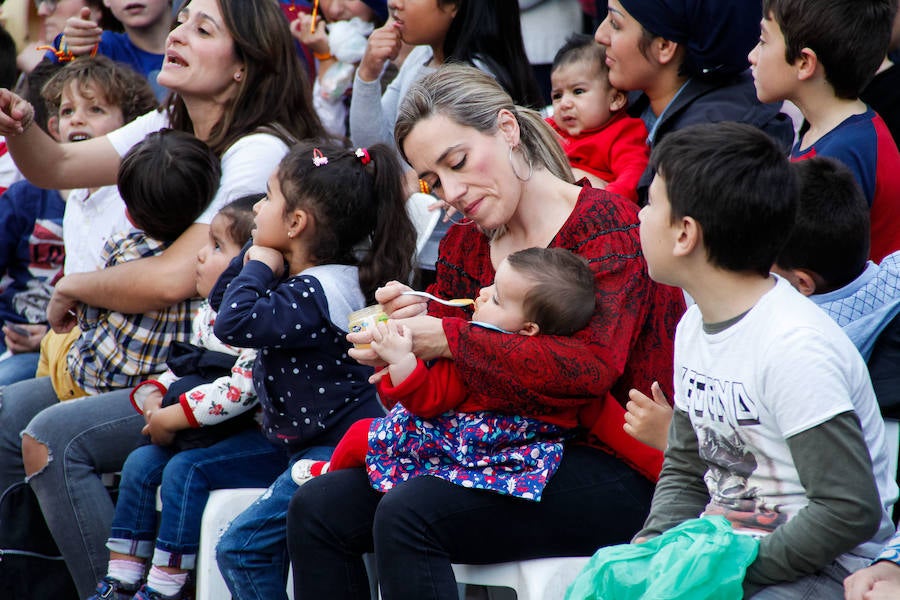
[(686, 62)]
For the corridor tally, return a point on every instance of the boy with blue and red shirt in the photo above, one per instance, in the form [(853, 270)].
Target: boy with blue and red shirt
[(820, 55)]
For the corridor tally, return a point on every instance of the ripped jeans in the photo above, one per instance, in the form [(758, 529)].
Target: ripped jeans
[(85, 437)]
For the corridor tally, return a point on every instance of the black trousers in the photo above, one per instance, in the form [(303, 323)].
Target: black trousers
[(423, 525)]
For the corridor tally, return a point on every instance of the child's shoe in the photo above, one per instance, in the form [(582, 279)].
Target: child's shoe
[(113, 589), (148, 593), (305, 469)]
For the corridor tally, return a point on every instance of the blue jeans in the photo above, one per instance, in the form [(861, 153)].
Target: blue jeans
[(85, 437), (421, 526), (18, 367), (252, 553), (246, 459)]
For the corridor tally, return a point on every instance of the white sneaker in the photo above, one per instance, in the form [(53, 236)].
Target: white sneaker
[(301, 471)]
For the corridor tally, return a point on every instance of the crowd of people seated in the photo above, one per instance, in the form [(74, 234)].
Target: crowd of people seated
[(673, 289)]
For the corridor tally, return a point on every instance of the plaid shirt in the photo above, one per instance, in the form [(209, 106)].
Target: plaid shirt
[(116, 350)]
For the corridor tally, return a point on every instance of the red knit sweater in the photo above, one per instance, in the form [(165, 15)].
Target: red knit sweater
[(563, 380)]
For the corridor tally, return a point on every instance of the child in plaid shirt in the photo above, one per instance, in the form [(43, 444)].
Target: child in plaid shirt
[(166, 181), (200, 421)]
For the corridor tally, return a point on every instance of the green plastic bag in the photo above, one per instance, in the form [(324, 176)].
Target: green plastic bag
[(701, 559)]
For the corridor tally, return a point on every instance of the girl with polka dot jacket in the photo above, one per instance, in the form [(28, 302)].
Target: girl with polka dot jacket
[(331, 228)]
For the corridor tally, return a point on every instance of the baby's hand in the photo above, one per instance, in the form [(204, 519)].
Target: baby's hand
[(81, 33), (596, 182), (392, 341), (866, 584), (647, 420)]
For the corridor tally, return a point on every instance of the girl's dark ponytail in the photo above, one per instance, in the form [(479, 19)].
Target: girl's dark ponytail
[(359, 206), (393, 240)]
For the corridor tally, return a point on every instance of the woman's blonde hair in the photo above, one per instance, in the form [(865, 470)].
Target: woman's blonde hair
[(471, 98)]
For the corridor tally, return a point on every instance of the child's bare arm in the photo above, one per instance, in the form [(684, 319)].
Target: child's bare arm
[(165, 423), (152, 403), (648, 419)]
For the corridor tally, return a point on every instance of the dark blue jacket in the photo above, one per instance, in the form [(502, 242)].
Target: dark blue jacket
[(730, 99)]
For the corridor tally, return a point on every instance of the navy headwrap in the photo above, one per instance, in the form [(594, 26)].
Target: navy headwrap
[(716, 34)]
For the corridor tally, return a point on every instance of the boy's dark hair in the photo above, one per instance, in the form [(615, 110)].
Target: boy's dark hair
[(30, 89), (736, 182), (240, 213), (562, 300), (831, 232), (121, 85), (581, 47), (850, 37), (8, 70), (166, 181)]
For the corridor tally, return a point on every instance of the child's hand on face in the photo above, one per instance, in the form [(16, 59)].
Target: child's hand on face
[(81, 33), (383, 45), (648, 419), (270, 257)]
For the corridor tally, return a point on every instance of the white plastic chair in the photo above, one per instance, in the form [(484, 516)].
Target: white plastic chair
[(537, 579), (221, 508)]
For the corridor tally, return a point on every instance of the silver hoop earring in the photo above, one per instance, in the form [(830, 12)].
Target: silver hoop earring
[(512, 165), (461, 221)]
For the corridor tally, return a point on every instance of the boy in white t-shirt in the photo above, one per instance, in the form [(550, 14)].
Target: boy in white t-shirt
[(776, 426)]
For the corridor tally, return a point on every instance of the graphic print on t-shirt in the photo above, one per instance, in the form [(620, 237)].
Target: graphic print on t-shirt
[(720, 410)]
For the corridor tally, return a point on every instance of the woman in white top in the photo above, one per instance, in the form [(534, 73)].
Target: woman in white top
[(238, 85)]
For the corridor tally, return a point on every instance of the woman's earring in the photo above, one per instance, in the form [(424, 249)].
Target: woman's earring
[(239, 75), (512, 165), (290, 234)]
